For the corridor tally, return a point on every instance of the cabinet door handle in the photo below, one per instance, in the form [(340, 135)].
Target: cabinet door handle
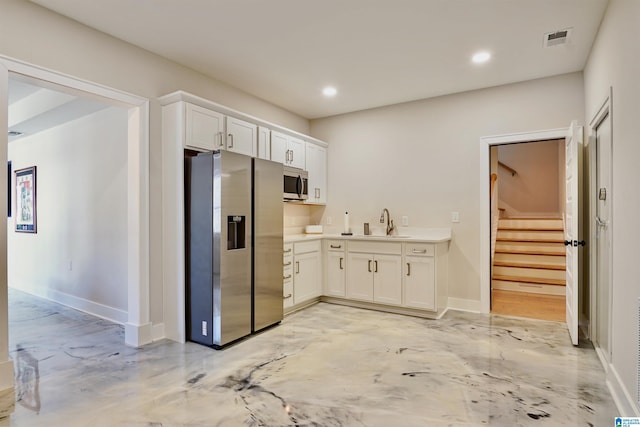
[(291, 155), (287, 296), (376, 264), (286, 251), (297, 267), (288, 276), (286, 264), (336, 246), (408, 269), (369, 266), (416, 251), (231, 142), (341, 266), (221, 135)]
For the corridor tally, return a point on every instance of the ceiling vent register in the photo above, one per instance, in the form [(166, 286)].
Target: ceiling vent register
[(557, 38)]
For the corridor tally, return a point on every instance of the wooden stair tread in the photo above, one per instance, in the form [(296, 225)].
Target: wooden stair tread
[(529, 265), (505, 239), (530, 252), (530, 280)]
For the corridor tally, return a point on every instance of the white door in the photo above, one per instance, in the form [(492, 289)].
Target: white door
[(242, 137), (279, 150), (603, 236), (336, 273), (360, 276), (571, 237)]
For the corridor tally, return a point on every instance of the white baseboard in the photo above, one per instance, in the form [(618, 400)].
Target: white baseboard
[(95, 309), (621, 396), (138, 335), (462, 304), (6, 375), (157, 332)]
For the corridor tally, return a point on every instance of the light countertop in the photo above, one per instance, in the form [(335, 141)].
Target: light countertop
[(427, 235)]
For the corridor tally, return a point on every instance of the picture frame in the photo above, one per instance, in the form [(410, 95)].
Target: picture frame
[(26, 200)]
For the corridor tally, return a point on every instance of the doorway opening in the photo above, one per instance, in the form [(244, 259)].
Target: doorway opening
[(137, 326), (528, 270)]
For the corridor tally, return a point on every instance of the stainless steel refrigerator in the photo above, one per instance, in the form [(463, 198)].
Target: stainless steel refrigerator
[(234, 246)]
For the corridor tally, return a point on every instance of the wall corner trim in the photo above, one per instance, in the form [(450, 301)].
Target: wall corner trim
[(138, 335), (461, 304)]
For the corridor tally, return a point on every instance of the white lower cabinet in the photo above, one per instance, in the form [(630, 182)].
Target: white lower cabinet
[(419, 282), (374, 272), (307, 274), (336, 268)]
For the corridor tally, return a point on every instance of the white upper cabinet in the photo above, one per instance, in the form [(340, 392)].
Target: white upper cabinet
[(242, 137), (264, 143), (297, 152), (204, 128), (316, 165), (288, 150)]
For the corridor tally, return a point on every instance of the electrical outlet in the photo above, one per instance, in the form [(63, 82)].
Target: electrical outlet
[(455, 216), (329, 220), (405, 220), (204, 328)]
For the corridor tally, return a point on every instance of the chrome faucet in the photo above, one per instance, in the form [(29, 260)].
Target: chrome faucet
[(390, 226)]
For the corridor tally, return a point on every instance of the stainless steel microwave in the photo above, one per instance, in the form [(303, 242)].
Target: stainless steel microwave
[(296, 184)]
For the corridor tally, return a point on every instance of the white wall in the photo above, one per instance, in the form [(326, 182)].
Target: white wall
[(533, 191), (35, 35), (79, 254), (614, 62), (420, 159)]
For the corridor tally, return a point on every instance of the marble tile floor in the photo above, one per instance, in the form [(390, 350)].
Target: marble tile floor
[(327, 365)]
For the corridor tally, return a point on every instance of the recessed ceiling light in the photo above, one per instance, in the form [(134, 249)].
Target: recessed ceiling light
[(481, 57), (329, 91)]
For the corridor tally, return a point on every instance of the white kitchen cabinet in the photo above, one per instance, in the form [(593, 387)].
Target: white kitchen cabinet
[(374, 272), (316, 165), (419, 282), (204, 128), (264, 143), (307, 274), (288, 150), (420, 276), (242, 137), (336, 268), (387, 288), (287, 276)]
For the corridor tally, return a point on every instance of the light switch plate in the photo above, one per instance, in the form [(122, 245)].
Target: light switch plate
[(405, 220), (329, 220), (455, 216)]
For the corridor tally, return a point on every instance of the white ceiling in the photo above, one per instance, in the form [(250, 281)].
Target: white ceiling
[(376, 52), (34, 108)]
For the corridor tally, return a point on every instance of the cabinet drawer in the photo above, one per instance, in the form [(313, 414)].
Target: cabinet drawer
[(287, 250), (306, 247), (375, 247), (419, 249), (336, 245), (287, 294)]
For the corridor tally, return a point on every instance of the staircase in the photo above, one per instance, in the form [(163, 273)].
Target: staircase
[(530, 256)]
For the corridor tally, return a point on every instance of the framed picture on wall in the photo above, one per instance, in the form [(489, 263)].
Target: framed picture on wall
[(26, 207)]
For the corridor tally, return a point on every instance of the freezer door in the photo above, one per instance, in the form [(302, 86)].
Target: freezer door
[(267, 244)]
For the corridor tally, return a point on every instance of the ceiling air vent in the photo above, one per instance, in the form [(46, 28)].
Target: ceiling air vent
[(557, 38)]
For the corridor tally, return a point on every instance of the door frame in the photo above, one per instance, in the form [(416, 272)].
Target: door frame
[(138, 330), (602, 112), (486, 142)]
